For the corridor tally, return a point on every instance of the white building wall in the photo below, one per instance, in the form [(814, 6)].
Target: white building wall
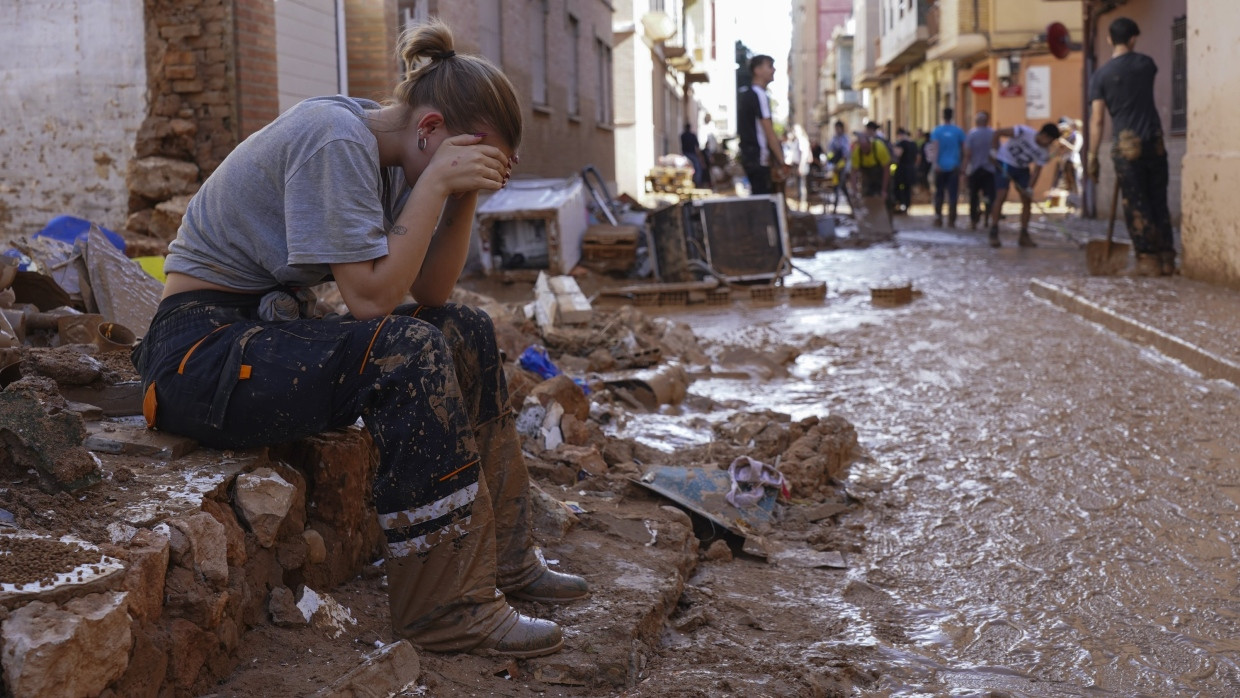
[(72, 96), (635, 117)]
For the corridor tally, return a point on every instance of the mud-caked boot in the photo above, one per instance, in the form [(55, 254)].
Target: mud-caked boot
[(521, 569), (523, 637), (1024, 240), (993, 235), (1148, 265), (553, 587), (1166, 262)]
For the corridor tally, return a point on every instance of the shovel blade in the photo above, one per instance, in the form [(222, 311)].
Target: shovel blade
[(1102, 261)]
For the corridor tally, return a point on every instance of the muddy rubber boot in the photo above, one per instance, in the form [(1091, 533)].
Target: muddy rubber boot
[(993, 235), (524, 637), (1024, 240), (1166, 262), (553, 587), (521, 570), (1148, 265), (442, 591)]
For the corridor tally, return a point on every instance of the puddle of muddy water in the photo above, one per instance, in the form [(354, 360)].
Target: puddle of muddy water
[(1051, 515)]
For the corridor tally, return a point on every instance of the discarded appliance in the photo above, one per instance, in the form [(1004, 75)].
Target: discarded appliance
[(704, 491), (737, 238), (533, 225), (669, 251), (743, 238)]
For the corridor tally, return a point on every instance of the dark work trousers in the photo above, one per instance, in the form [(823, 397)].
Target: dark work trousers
[(981, 191), (1141, 166), (759, 179), (423, 380), (905, 178), (946, 183)]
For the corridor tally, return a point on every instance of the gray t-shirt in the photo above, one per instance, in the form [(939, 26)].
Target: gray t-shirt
[(978, 142), (304, 192)]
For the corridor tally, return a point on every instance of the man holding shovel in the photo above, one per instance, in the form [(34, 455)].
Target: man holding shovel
[(1124, 88)]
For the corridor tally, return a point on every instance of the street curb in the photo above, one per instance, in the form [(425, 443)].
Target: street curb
[(1204, 362)]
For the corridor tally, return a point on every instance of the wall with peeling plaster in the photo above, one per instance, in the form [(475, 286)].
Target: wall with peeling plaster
[(1212, 164), (72, 96)]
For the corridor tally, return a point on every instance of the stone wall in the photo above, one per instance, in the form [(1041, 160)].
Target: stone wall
[(72, 97), (196, 576)]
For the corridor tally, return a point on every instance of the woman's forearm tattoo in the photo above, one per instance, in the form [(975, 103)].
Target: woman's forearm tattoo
[(399, 230)]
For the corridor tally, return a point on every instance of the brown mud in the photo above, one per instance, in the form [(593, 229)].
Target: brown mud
[(1034, 506)]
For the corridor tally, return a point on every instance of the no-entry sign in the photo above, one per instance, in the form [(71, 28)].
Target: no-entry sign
[(980, 82)]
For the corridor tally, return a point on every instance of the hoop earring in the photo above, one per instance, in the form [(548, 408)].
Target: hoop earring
[(421, 140)]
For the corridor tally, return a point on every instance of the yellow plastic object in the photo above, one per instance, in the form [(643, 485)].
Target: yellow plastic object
[(153, 265)]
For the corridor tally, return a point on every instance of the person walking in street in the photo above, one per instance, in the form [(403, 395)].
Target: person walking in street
[(948, 139), (1124, 88), (761, 152), (381, 199), (980, 170), (710, 149), (1068, 167), (1023, 147), (871, 167), (839, 153), (691, 149), (923, 160), (906, 170)]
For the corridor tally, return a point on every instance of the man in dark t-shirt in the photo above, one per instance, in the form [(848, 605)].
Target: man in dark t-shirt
[(691, 149), (906, 170), (1124, 88)]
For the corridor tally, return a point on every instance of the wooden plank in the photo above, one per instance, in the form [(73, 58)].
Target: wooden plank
[(708, 284), (130, 440), (119, 400)]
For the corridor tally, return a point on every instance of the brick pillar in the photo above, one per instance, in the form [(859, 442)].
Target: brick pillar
[(371, 29), (257, 88)]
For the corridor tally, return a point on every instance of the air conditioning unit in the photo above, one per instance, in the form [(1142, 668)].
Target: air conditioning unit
[(740, 238), (743, 238)]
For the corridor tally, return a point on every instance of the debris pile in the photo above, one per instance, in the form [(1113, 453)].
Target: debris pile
[(197, 547)]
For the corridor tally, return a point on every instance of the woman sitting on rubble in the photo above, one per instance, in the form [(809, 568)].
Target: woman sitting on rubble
[(380, 199)]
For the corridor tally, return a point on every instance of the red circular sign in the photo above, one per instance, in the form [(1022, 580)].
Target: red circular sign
[(980, 82), (1057, 40)]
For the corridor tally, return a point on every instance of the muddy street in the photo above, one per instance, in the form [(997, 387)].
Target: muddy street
[(1046, 508)]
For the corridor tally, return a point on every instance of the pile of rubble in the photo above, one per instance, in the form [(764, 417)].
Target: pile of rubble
[(132, 562)]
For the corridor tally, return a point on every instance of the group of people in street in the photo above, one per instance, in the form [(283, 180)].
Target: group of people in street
[(991, 162)]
